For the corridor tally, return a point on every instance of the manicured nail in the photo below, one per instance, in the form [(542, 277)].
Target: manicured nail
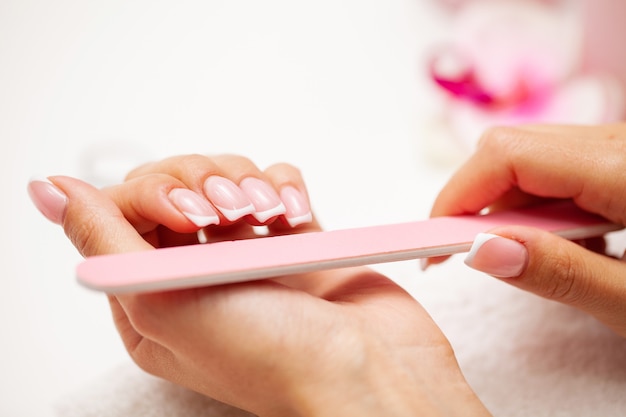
[(497, 256), (48, 199), (228, 198), (194, 207), (297, 205), (266, 202)]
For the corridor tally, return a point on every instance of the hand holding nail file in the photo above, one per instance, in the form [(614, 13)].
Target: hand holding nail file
[(265, 257)]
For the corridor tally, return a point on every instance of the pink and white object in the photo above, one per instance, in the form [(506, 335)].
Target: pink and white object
[(515, 62), (250, 259)]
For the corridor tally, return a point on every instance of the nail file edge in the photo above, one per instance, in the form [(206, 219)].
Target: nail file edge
[(194, 266)]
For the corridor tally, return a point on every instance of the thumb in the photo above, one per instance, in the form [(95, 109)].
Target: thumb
[(555, 268), (91, 220)]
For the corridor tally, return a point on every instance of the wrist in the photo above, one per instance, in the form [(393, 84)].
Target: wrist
[(427, 382)]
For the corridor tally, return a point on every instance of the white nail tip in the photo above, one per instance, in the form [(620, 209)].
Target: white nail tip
[(479, 241), (298, 220), (236, 214), (263, 216), (202, 221)]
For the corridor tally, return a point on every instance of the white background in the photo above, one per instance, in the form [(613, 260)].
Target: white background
[(90, 88)]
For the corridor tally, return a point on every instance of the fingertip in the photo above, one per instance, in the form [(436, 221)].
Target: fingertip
[(159, 199), (266, 201), (289, 182), (228, 198), (48, 199), (498, 256), (549, 266), (195, 208), (298, 208)]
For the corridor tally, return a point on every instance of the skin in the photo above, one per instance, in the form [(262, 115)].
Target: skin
[(518, 166), (349, 342), (345, 343)]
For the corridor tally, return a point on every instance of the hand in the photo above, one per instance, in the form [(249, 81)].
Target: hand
[(348, 342), (518, 166)]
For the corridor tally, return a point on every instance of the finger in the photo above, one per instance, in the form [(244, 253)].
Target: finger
[(512, 199), (96, 226), (233, 184), (587, 168), (202, 175), (555, 268), (288, 181), (268, 204), (93, 222), (191, 169), (153, 199)]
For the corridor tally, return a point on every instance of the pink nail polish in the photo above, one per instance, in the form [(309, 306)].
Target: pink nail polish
[(267, 203), (48, 199), (228, 198), (497, 256), (297, 206), (194, 207)]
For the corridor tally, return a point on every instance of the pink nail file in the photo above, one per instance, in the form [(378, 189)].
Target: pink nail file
[(264, 257)]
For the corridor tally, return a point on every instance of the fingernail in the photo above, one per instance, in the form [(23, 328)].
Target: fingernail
[(297, 206), (194, 207), (497, 256), (48, 199), (228, 198), (266, 202), (424, 264)]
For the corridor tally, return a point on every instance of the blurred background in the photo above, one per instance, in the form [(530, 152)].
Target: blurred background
[(360, 94)]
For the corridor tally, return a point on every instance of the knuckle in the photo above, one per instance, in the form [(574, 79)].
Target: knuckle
[(84, 234), (234, 161), (284, 170), (494, 137), (236, 167), (565, 283), (503, 139), (285, 166), (192, 160)]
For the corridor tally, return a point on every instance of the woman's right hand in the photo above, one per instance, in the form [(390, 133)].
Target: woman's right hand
[(516, 166)]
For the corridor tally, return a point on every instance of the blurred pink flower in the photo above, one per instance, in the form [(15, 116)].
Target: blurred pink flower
[(514, 62)]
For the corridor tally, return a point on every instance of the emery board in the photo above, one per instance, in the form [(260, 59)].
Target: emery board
[(264, 257)]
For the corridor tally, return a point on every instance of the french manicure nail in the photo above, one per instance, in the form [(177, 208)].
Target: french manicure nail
[(267, 203), (48, 199), (497, 256), (228, 198), (194, 207), (298, 210)]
